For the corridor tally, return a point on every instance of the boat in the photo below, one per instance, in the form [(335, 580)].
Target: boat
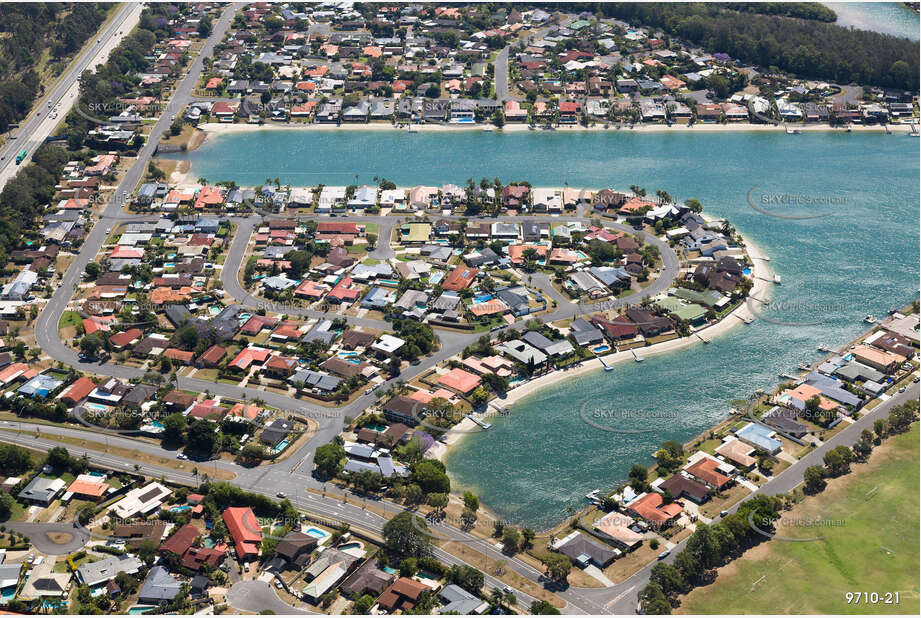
[(825, 348), (869, 319), (892, 310), (488, 128), (913, 130), (848, 128), (793, 131), (805, 366), (777, 279)]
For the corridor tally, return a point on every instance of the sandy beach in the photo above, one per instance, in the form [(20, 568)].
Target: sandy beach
[(213, 128)]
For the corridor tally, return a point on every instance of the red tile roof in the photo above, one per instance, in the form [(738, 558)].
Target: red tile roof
[(243, 526)]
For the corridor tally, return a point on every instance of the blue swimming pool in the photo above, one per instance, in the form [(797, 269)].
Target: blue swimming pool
[(140, 609), (601, 348), (435, 277), (316, 533), (746, 271), (95, 406), (281, 446), (179, 509)]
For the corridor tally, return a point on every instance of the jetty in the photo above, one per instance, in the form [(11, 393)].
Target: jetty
[(637, 357), (744, 318), (482, 424), (825, 348), (604, 364), (702, 338), (788, 376)]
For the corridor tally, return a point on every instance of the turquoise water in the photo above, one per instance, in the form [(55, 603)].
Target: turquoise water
[(886, 17), (179, 509), (543, 458)]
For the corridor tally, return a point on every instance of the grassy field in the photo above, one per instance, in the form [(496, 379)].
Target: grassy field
[(873, 547)]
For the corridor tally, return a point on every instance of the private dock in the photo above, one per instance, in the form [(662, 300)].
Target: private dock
[(604, 364), (637, 357), (479, 422), (702, 338)]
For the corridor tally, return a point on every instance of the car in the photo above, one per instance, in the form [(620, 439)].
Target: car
[(902, 389), (277, 584), (246, 567), (507, 589), (182, 456), (916, 379), (665, 554), (281, 494), (108, 230), (724, 513)]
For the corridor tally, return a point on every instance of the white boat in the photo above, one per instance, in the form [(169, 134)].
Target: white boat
[(777, 279), (793, 131), (869, 319), (805, 367), (488, 128)]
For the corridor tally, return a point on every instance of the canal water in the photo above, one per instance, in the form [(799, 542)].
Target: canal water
[(857, 254)]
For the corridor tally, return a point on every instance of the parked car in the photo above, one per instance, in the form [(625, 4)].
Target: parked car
[(665, 554)]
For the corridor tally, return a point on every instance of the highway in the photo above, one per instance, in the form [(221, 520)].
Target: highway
[(38, 125)]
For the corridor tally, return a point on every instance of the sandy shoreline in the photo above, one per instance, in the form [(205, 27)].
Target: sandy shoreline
[(213, 128), (761, 278)]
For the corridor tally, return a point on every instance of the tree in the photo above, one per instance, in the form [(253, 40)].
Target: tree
[(511, 538), (879, 428), (14, 459), (92, 270), (58, 459), (187, 337), (558, 566), (543, 608), (467, 577), (430, 475), (813, 479), (468, 518), (438, 501), (667, 578), (328, 460), (653, 601), (527, 536), (406, 535), (372, 239), (838, 460), (174, 427), (85, 514), (363, 604), (91, 344), (703, 546), (471, 501), (408, 567), (7, 504), (201, 437)]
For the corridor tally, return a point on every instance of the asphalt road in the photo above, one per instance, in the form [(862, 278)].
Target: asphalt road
[(38, 125), (39, 538)]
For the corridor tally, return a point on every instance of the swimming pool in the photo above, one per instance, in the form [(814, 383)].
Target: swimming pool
[(390, 282), (601, 348), (388, 569), (281, 446), (482, 298), (355, 545), (435, 277), (214, 310), (179, 509), (317, 534), (347, 354), (8, 593), (140, 609), (158, 424), (97, 407), (375, 427), (746, 271)]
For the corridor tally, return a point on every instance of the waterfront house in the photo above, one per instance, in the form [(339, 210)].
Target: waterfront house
[(760, 437), (651, 508), (709, 471), (738, 452), (522, 352), (617, 528), (583, 550), (680, 486)]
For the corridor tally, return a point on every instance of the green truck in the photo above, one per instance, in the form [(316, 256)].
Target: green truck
[(21, 156)]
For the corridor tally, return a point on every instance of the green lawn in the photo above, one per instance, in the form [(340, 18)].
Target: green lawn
[(872, 548), (70, 318)]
